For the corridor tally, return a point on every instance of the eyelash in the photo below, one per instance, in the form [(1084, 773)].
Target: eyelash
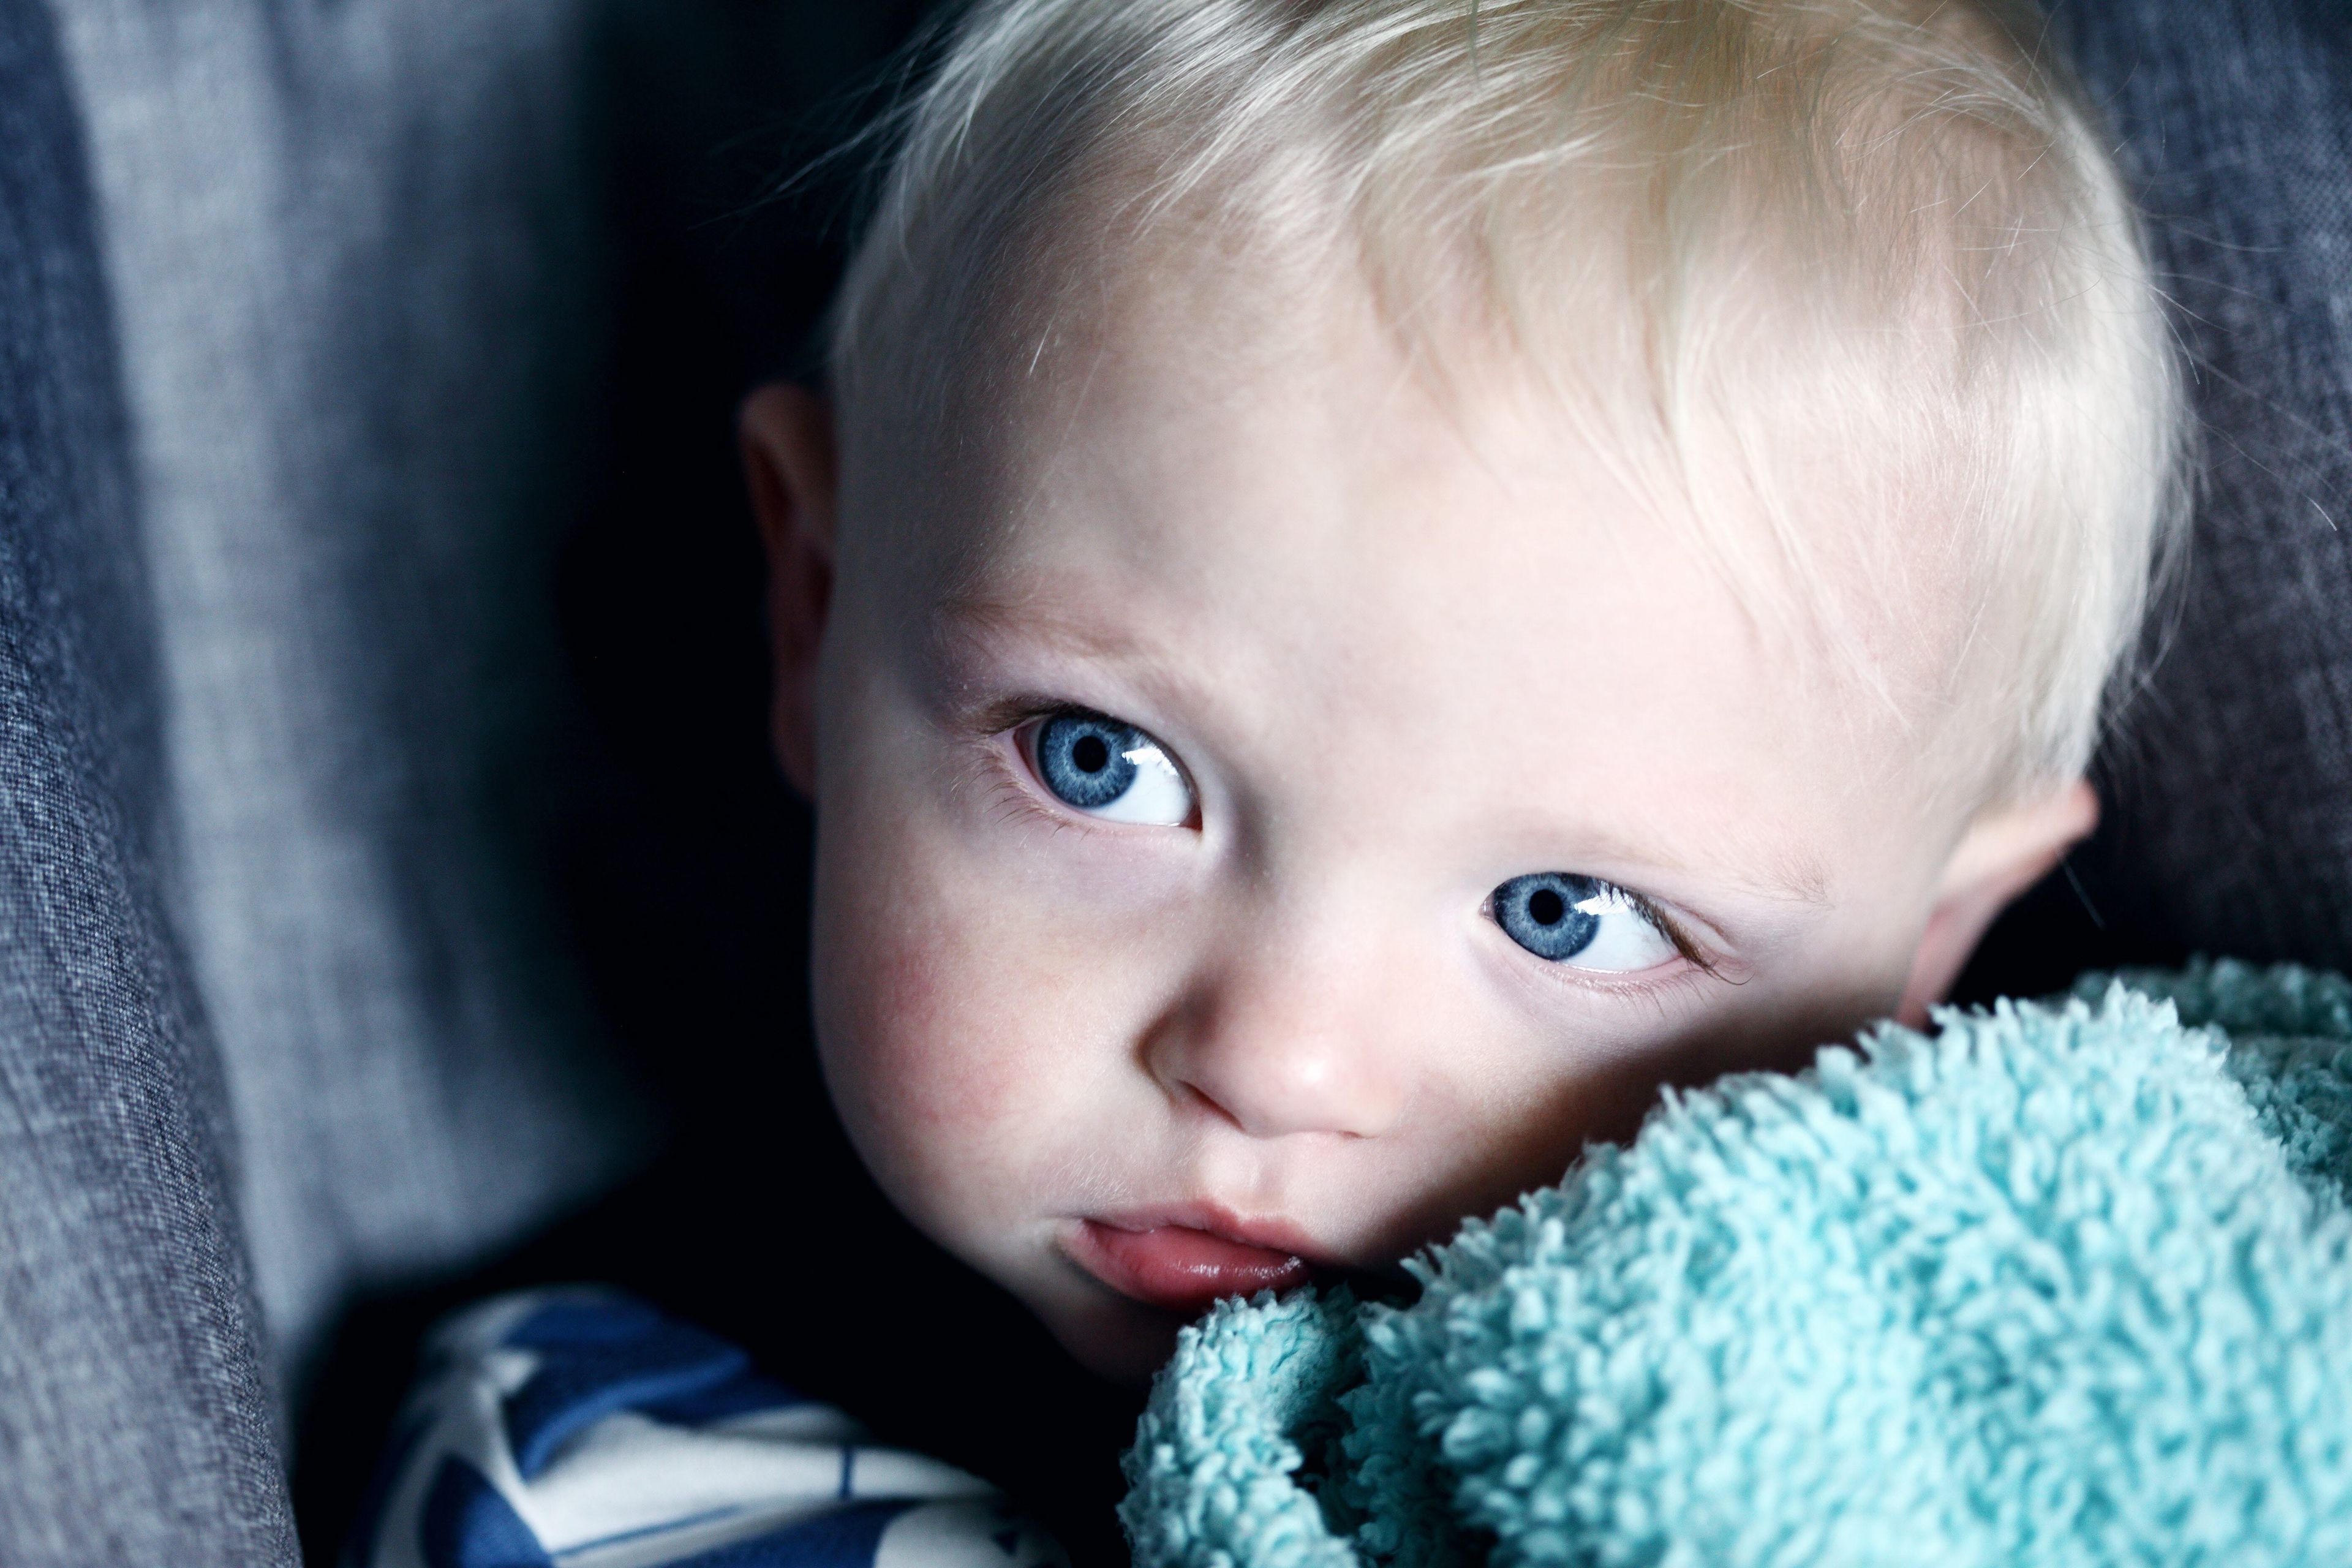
[(1674, 931), (1015, 790)]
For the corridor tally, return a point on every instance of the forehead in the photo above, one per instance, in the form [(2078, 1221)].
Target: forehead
[(1309, 498)]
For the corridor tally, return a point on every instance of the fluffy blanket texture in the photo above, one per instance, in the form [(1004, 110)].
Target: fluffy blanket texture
[(2060, 1283)]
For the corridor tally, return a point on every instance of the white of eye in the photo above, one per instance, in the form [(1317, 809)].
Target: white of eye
[(1158, 794), (1627, 940)]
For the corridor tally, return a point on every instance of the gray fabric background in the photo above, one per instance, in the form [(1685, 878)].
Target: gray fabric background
[(2229, 789), (136, 1424), (362, 285), (2233, 792)]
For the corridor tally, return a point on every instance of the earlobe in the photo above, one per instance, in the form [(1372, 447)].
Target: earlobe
[(789, 463), (2005, 851)]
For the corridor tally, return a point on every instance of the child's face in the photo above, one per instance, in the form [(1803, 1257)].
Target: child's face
[(1266, 813)]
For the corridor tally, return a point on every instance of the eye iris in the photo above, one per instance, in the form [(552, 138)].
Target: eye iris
[(1084, 759), (1542, 912)]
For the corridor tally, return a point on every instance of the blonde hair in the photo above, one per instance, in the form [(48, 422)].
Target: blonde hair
[(1896, 212)]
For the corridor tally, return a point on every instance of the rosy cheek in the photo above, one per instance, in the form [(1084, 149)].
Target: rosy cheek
[(929, 1027)]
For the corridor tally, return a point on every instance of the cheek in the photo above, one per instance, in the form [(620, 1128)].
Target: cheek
[(1492, 1125), (919, 1032), (970, 1033)]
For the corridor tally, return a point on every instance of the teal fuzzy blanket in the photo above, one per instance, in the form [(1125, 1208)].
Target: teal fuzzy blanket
[(2063, 1283)]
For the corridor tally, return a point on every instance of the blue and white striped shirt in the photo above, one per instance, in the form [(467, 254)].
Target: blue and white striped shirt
[(580, 1429)]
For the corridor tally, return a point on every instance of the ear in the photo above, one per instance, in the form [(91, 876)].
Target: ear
[(788, 460), (2004, 851)]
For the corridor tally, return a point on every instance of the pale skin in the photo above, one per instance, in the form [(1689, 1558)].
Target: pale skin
[(1400, 648)]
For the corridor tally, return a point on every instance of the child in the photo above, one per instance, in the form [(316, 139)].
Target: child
[(1379, 579)]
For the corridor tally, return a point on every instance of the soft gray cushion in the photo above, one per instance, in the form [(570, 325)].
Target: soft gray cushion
[(2230, 790), (362, 288)]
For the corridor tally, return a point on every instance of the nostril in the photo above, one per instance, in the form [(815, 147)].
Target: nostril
[(1188, 1093)]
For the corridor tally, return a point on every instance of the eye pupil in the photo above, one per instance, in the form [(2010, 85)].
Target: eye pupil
[(1089, 755), (1546, 907)]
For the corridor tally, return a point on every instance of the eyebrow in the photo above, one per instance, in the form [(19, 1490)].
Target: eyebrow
[(967, 621), (968, 611), (1801, 879), (1795, 877)]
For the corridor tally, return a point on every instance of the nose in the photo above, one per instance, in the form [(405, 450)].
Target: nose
[(1281, 1042)]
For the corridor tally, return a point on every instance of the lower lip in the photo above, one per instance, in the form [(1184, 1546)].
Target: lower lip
[(1180, 1269)]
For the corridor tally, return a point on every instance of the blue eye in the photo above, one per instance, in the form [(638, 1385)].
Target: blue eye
[(1097, 765), (1580, 921)]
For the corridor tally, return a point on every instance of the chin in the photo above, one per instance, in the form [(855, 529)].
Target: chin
[(1120, 1341)]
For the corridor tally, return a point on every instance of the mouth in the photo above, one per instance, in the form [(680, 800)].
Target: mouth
[(1185, 1261)]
